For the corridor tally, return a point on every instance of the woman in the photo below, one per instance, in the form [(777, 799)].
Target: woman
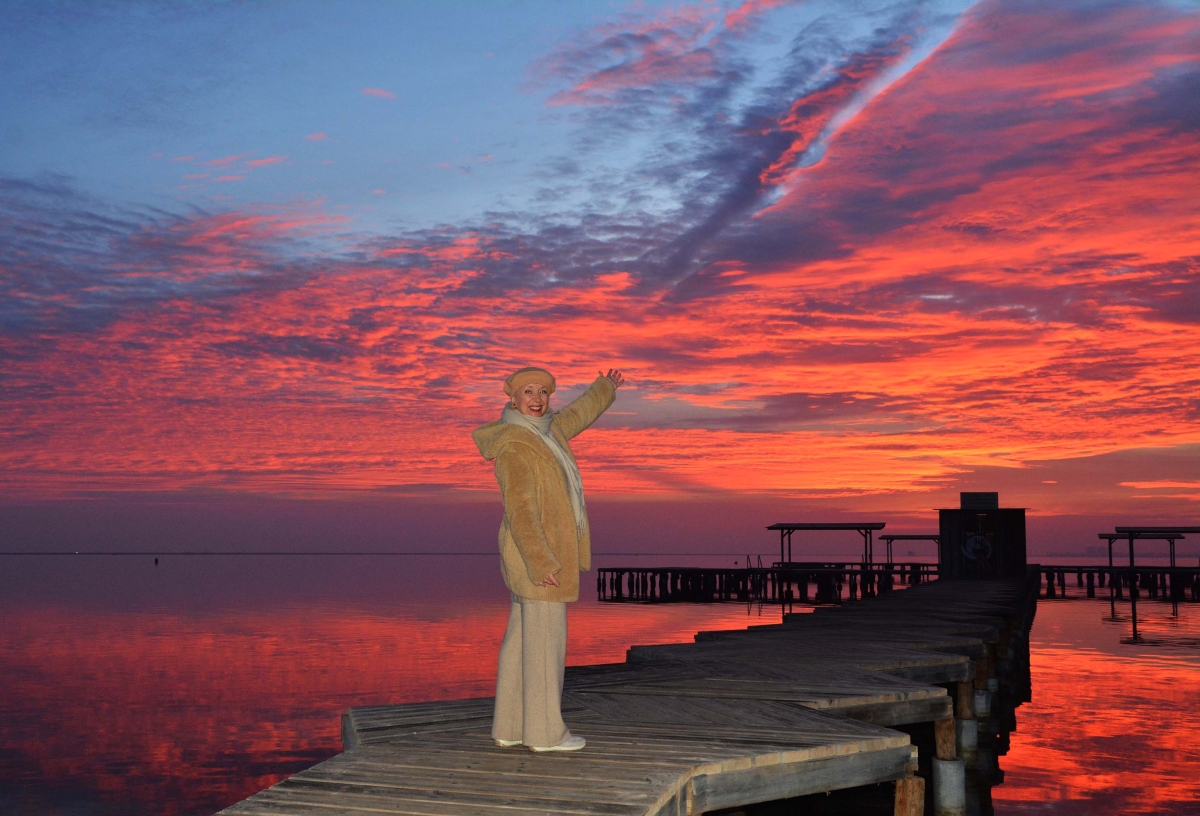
[(544, 543)]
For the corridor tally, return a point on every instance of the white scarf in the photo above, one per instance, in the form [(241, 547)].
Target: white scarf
[(541, 427)]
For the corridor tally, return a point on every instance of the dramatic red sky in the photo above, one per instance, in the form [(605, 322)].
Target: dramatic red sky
[(848, 262)]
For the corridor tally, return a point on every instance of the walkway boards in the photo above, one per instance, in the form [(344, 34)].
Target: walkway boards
[(733, 719), (645, 755)]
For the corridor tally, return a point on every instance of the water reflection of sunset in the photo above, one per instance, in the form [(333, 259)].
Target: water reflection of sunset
[(186, 707), (1111, 728), (179, 713)]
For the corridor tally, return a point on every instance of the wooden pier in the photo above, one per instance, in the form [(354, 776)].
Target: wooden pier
[(789, 582), (863, 699)]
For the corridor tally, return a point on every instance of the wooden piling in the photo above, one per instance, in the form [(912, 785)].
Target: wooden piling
[(910, 796), (943, 731), (964, 707)]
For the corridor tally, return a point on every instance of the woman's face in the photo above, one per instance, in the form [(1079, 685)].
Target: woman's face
[(533, 400)]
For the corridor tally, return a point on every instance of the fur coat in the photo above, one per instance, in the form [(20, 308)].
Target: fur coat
[(538, 534)]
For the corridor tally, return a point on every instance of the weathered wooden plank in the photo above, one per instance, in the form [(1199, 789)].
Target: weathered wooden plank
[(273, 803), (900, 712), (399, 799), (604, 789), (766, 783)]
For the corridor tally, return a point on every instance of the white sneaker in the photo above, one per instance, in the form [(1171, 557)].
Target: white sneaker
[(569, 744), (506, 743)]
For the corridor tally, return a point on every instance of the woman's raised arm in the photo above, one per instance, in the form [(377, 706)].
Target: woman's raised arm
[(575, 418)]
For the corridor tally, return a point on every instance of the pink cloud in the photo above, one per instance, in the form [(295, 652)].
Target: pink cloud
[(225, 161), (743, 15), (229, 178), (380, 92), (265, 162), (319, 136), (677, 46), (667, 56)]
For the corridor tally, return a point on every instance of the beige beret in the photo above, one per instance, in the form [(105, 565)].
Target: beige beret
[(529, 374)]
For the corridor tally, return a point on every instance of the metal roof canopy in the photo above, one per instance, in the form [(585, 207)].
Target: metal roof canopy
[(864, 528), (890, 537), (1138, 531), (1167, 534)]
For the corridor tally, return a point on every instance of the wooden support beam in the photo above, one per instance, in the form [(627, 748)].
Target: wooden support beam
[(910, 797), (964, 707), (983, 670), (943, 733)]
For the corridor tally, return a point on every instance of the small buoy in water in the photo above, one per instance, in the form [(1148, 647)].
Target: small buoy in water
[(156, 562)]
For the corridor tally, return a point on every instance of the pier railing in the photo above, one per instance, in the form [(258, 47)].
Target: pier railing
[(782, 582)]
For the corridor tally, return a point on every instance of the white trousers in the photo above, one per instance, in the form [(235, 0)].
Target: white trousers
[(529, 680)]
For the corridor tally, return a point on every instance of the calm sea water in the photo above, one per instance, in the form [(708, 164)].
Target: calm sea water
[(132, 689)]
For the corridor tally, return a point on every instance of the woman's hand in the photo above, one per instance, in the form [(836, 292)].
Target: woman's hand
[(614, 375), (549, 581)]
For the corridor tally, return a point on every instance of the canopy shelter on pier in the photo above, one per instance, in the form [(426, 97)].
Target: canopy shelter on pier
[(1111, 537), (890, 537), (864, 528), (1131, 534)]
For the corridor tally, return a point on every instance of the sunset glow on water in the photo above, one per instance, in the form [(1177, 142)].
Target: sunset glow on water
[(1112, 725), (156, 696)]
